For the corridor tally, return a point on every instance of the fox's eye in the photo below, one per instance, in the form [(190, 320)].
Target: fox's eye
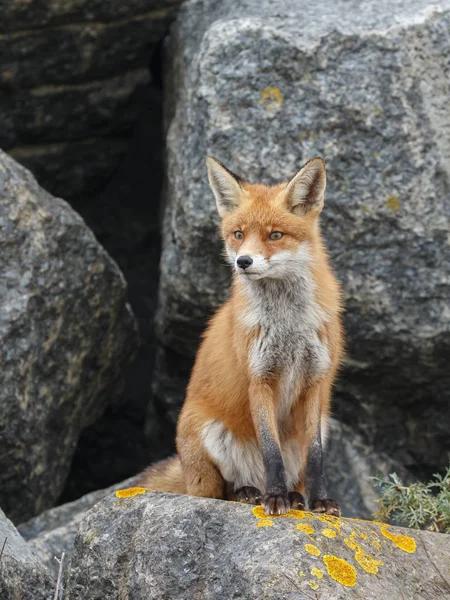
[(276, 235), (238, 235)]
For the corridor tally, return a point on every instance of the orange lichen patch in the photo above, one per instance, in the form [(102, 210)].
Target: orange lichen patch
[(329, 533), (259, 513), (404, 542), (314, 550), (313, 584), (376, 544), (364, 536), (317, 572), (333, 522), (305, 528), (340, 570), (130, 492), (265, 523), (369, 564), (301, 574)]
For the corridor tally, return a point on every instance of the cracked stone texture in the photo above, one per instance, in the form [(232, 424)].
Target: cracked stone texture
[(167, 546), (264, 86), (53, 532), (22, 575), (66, 333), (71, 74)]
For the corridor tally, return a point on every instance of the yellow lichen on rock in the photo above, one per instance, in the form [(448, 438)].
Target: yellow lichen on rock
[(376, 544), (329, 533), (313, 584), (340, 570), (393, 202), (314, 550), (130, 492), (350, 541), (265, 523), (369, 564), (271, 98), (333, 522), (259, 513), (404, 542), (305, 528), (299, 514), (316, 572)]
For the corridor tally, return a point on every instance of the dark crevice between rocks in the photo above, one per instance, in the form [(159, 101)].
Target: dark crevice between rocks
[(410, 420), (125, 219)]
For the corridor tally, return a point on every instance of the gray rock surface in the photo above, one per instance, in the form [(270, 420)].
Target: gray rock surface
[(35, 13), (70, 75), (266, 85), (66, 333), (53, 532), (350, 465), (22, 575), (166, 546)]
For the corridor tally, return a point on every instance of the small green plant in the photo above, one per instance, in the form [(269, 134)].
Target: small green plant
[(419, 505)]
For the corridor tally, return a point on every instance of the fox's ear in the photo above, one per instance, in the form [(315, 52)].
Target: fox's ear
[(306, 191), (225, 186)]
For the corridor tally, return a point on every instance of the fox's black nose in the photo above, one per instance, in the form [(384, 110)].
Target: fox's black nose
[(244, 262)]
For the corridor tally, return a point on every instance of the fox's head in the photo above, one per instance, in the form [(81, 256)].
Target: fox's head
[(267, 229)]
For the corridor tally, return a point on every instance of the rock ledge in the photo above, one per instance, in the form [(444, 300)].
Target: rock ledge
[(152, 545)]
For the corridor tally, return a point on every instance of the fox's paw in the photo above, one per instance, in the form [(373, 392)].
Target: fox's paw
[(327, 506), (297, 501), (248, 494), (276, 505)]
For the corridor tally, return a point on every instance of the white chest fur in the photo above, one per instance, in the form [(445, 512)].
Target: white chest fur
[(288, 344), (242, 464)]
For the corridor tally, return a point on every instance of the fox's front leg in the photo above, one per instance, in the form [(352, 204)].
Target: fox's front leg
[(312, 452), (263, 408)]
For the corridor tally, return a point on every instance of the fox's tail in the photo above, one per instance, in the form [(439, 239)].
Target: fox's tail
[(164, 476)]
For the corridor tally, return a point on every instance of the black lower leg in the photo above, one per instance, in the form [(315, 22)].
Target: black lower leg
[(276, 500), (315, 480)]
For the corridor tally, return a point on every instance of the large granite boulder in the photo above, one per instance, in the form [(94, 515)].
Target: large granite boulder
[(70, 75), (165, 546), (22, 575), (266, 85), (66, 333)]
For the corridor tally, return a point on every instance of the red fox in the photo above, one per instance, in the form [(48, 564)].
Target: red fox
[(257, 405)]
